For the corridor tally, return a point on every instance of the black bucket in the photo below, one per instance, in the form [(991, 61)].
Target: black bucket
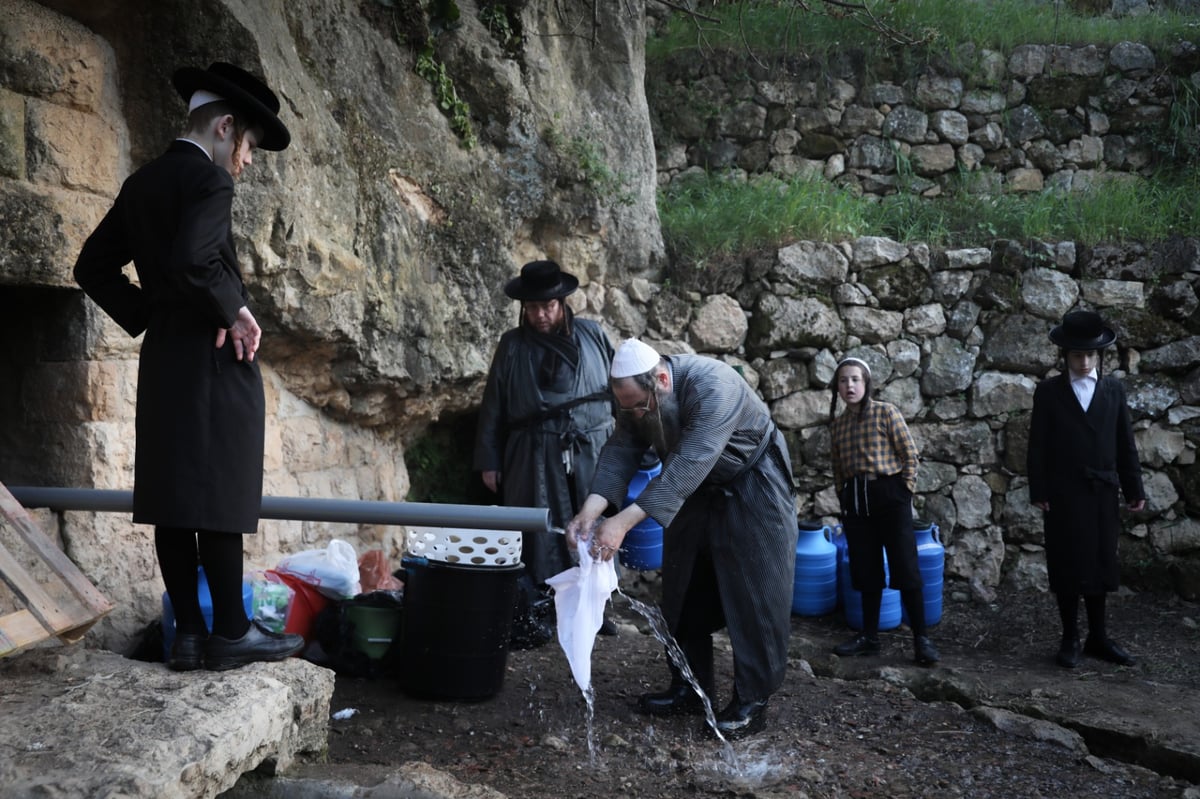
[(457, 623)]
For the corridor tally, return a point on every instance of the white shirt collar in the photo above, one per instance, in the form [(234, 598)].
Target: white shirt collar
[(198, 144), (1084, 389)]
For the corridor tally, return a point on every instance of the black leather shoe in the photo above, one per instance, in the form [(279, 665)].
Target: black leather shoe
[(187, 652), (861, 644), (678, 700), (1068, 653), (740, 719), (924, 651), (1107, 649), (258, 645)]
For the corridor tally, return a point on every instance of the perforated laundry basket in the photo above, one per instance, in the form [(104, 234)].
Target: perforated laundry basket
[(460, 587), (465, 547)]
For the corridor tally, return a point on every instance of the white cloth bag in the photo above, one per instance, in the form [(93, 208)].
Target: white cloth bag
[(580, 594)]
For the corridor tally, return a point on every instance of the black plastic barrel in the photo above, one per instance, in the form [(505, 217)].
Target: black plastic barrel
[(457, 623)]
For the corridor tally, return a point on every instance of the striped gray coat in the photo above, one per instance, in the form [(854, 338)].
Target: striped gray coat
[(707, 496)]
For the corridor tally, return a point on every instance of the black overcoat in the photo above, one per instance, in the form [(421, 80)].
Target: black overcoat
[(1078, 462), (200, 411)]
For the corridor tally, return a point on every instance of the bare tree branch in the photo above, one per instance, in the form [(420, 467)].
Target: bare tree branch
[(690, 12)]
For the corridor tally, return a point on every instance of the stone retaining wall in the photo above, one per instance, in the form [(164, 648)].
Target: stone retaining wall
[(1041, 117), (958, 340)]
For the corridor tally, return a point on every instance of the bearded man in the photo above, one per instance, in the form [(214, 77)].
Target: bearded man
[(725, 500), (545, 414)]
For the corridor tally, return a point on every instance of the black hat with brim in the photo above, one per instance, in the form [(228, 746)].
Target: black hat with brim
[(1082, 331), (244, 92), (541, 280)]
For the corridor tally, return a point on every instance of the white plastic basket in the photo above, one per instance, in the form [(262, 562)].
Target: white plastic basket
[(465, 547)]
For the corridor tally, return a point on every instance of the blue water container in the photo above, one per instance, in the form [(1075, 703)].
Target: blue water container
[(642, 547), (168, 619), (839, 545), (931, 560), (814, 592), (889, 605)]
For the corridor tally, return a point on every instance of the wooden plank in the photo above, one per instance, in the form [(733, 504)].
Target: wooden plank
[(52, 556), (75, 634), (36, 600), (19, 630), (42, 615)]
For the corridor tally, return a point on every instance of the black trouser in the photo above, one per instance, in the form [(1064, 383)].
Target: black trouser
[(1068, 611), (877, 517), (180, 553), (702, 615)]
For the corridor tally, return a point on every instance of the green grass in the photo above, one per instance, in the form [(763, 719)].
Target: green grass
[(768, 28), (715, 216)]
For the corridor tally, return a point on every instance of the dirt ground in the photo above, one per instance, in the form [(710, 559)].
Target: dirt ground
[(837, 728)]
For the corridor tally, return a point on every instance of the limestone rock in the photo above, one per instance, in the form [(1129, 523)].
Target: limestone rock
[(719, 325), (994, 393), (1037, 729), (177, 734), (949, 370)]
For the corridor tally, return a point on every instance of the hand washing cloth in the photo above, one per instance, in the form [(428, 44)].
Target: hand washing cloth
[(580, 594)]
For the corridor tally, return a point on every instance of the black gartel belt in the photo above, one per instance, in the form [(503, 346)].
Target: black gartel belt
[(859, 501), (1102, 476), (556, 410), (767, 440), (721, 491)]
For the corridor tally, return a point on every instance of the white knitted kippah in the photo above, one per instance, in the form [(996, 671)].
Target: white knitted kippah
[(633, 358), (856, 362)]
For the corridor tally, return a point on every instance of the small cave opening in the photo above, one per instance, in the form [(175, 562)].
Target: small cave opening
[(46, 398), (439, 463)]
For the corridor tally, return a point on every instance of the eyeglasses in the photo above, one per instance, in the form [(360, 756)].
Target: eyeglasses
[(639, 408)]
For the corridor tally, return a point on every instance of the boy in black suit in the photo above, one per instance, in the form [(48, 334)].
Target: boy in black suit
[(200, 406), (1081, 454)]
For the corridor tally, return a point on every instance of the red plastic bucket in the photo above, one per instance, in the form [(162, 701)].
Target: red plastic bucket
[(306, 603)]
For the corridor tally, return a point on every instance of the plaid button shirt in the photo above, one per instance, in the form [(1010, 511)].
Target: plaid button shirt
[(878, 444)]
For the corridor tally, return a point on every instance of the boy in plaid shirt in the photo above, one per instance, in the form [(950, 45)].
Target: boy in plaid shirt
[(875, 473)]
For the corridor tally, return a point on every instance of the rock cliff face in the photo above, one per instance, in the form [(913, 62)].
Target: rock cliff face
[(376, 246)]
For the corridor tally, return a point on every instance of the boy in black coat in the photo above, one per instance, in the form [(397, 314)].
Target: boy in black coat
[(1081, 454), (200, 405)]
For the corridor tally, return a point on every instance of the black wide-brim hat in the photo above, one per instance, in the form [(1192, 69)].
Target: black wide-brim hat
[(244, 92), (541, 280), (1082, 330)]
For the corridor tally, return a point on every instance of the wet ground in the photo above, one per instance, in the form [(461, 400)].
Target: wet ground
[(996, 718)]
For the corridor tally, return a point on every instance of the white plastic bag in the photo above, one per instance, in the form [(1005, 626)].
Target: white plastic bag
[(580, 594), (333, 571)]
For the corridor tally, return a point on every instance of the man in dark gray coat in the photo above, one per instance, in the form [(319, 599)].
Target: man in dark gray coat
[(545, 414), (725, 501), (200, 406)]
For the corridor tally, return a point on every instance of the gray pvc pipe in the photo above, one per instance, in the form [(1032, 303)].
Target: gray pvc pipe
[(311, 509)]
